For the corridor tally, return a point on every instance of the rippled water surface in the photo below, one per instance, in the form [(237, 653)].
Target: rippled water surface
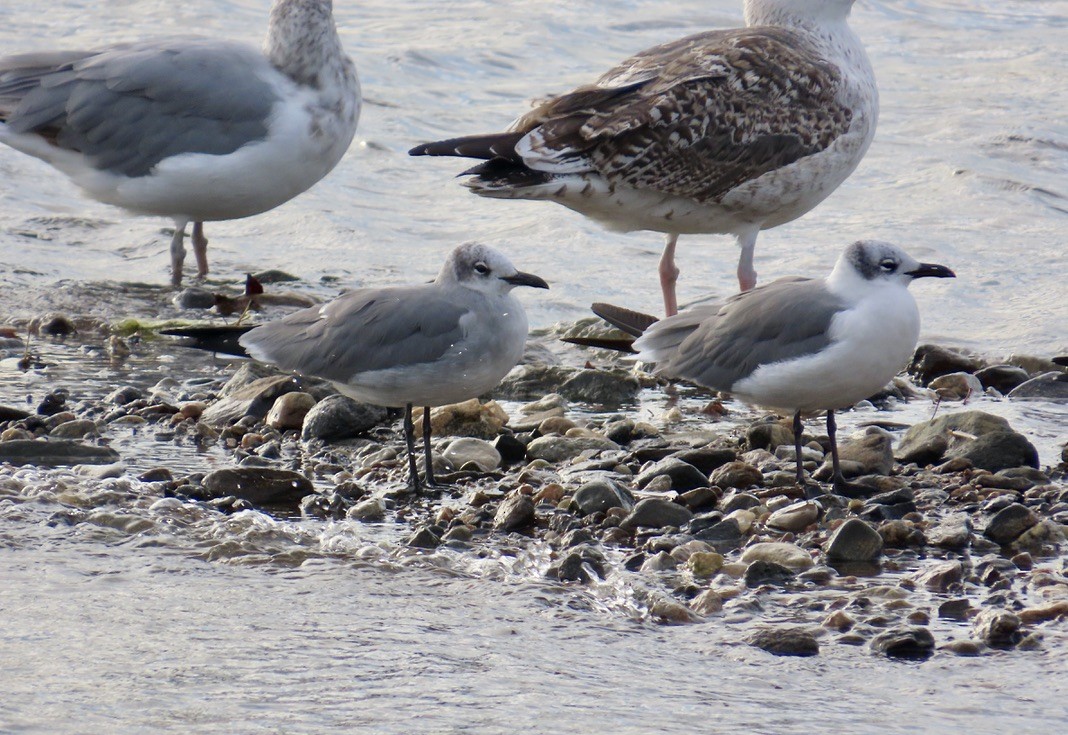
[(149, 617)]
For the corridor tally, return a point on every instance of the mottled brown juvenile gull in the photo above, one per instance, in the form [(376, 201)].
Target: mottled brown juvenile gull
[(797, 344), (730, 131), (190, 128), (427, 345)]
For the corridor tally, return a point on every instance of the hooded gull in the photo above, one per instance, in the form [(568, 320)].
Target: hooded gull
[(797, 344), (190, 128), (428, 345), (728, 132)]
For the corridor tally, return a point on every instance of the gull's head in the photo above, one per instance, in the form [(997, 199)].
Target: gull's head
[(481, 268), (874, 262), (783, 12)]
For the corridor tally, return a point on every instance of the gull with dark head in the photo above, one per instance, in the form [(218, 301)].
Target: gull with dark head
[(731, 132), (190, 128), (403, 346), (797, 344)]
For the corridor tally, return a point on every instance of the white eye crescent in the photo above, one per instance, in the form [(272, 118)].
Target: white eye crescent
[(888, 265)]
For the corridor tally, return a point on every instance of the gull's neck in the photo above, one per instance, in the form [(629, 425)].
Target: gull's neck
[(794, 13), (303, 44)]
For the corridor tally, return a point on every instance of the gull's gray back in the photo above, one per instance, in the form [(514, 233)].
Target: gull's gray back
[(786, 319), (363, 331), (129, 106)]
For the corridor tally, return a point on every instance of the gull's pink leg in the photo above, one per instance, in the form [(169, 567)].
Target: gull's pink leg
[(200, 249), (747, 275), (177, 252), (669, 275)]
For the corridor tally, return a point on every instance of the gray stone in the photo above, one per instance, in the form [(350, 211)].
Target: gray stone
[(515, 512), (768, 435), (739, 501), (258, 485), (469, 450), (782, 640), (194, 298), (913, 643), (706, 459), (530, 382), (952, 533), (790, 556), (254, 399), (8, 413), (289, 410), (762, 572), (561, 448), (998, 451), (76, 429), (339, 417), (873, 451), (425, 538), (855, 541), (947, 436), (684, 476), (956, 386), (601, 387), (660, 562), (1008, 523), (122, 396), (794, 517), (1002, 378), (368, 511), (997, 628), (54, 453), (942, 577), (1051, 386), (656, 513), (931, 361), (600, 495), (737, 475)]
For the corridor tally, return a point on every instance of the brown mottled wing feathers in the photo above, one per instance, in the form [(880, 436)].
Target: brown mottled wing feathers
[(698, 116)]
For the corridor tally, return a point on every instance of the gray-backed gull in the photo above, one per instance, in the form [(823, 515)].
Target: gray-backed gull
[(798, 344), (730, 131), (190, 128)]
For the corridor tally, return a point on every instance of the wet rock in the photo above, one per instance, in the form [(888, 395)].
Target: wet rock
[(514, 513), (956, 386), (76, 429), (761, 573), (768, 435), (254, 399), (156, 474), (788, 555), (562, 448), (704, 564), (955, 609), (481, 453), (949, 436), (122, 396), (899, 534), (427, 537), (53, 403), (795, 517), (736, 475), (371, 510), (997, 628), (739, 501), (708, 602), (706, 459), (194, 298), (1002, 378), (601, 387), (660, 562), (8, 413), (1051, 386), (942, 577), (54, 453), (913, 643), (668, 611), (469, 418), (684, 476), (1042, 613), (55, 325), (931, 361), (998, 451), (782, 640), (339, 417), (528, 382), (511, 449), (599, 495), (855, 541), (259, 486), (1008, 523), (656, 513), (1040, 536), (289, 410)]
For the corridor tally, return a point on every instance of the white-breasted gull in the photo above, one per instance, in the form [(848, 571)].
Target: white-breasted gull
[(402, 346), (729, 131), (797, 344), (190, 128)]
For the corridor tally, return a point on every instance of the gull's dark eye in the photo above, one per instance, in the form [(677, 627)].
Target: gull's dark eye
[(889, 265), (481, 268)]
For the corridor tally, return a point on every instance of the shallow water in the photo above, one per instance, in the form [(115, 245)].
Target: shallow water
[(147, 617)]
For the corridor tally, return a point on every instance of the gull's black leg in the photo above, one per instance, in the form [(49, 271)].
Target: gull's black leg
[(797, 449), (409, 437), (841, 485), (427, 454)]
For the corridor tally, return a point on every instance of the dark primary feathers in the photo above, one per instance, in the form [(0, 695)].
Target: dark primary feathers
[(129, 106), (695, 117), (222, 339), (361, 331)]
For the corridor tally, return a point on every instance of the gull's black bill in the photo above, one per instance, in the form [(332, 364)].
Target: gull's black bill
[(525, 279), (931, 270)]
